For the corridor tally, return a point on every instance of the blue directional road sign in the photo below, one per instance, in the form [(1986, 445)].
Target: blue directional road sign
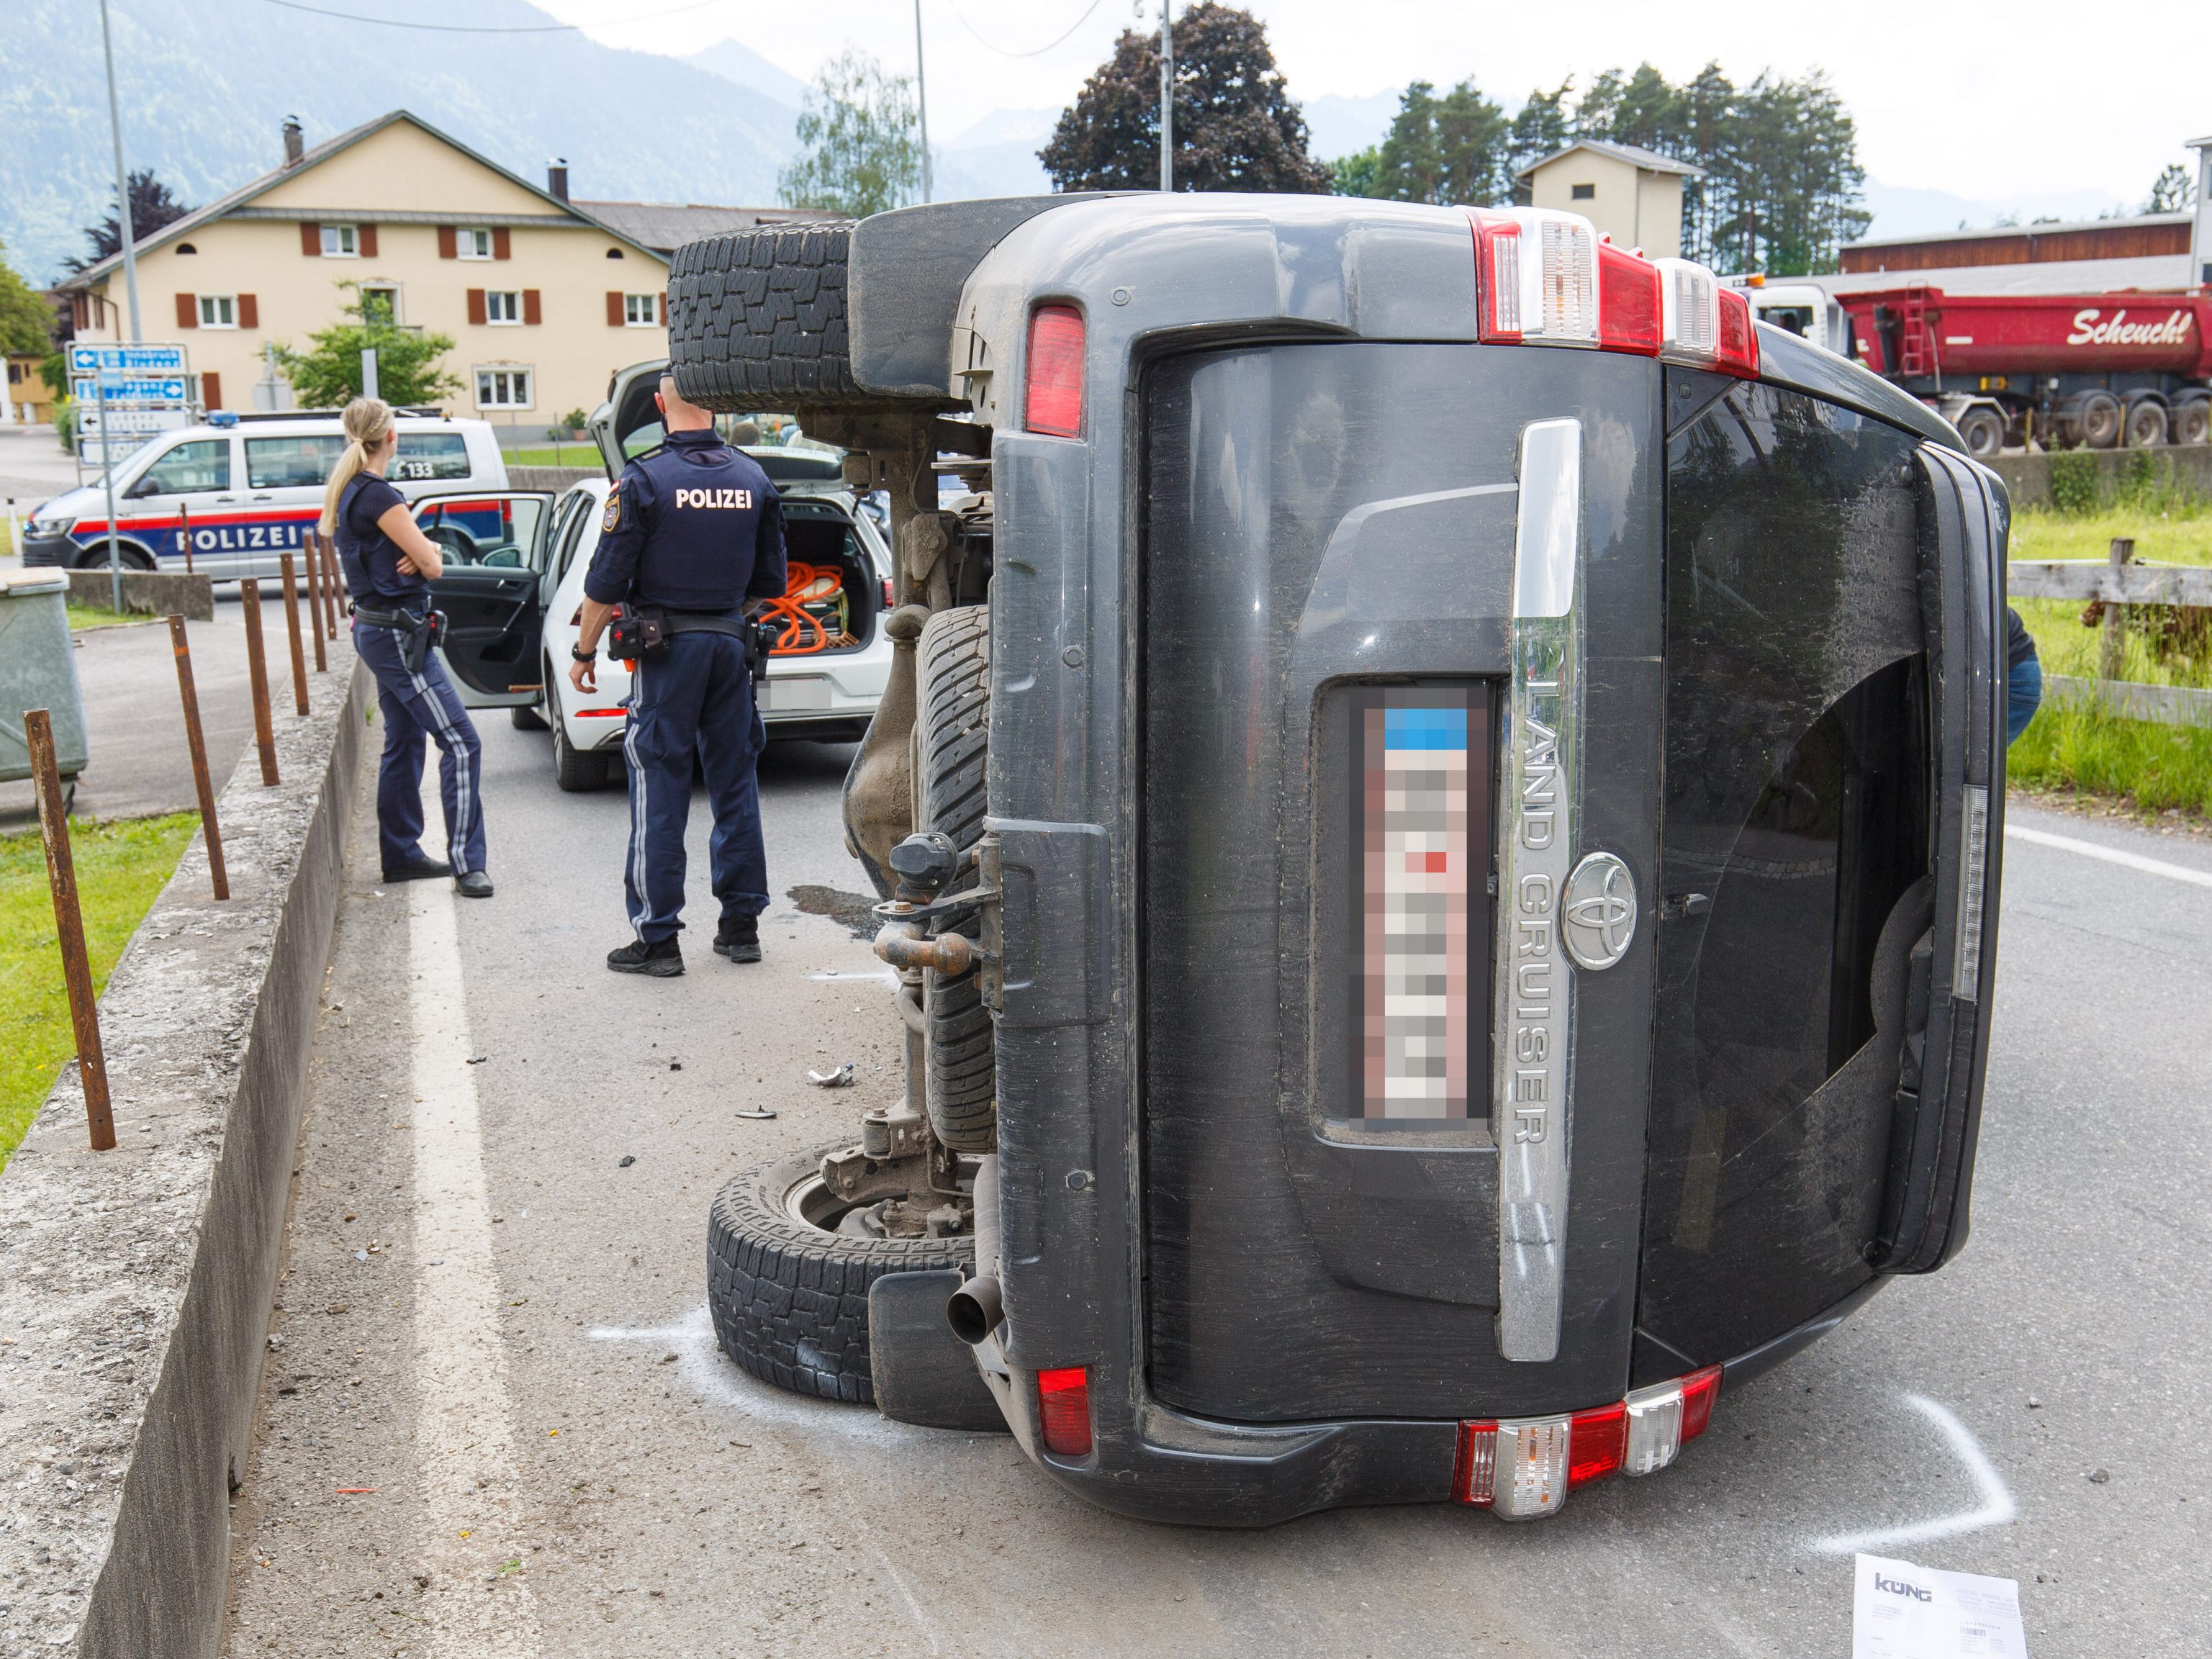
[(155, 358), (131, 390)]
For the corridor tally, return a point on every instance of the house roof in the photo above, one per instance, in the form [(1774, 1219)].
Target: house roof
[(664, 226), (237, 204), (2048, 227), (1635, 155)]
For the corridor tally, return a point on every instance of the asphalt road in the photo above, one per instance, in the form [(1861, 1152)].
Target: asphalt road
[(501, 1331)]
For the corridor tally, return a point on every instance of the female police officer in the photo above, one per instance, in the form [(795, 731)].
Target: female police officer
[(389, 567)]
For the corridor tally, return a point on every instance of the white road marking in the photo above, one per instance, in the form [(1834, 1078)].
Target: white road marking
[(1996, 1509), (2090, 849), (470, 1517)]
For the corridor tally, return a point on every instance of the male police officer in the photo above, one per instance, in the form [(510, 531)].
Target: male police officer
[(693, 529)]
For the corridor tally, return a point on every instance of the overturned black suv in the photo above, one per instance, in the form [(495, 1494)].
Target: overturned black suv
[(1438, 816)]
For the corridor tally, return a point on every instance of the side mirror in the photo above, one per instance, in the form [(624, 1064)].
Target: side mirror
[(141, 488)]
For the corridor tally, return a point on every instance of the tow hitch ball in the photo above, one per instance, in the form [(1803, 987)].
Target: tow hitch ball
[(926, 863)]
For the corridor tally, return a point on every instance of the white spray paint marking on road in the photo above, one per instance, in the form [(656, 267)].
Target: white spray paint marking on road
[(469, 1516), (2090, 849), (879, 976), (1996, 1509)]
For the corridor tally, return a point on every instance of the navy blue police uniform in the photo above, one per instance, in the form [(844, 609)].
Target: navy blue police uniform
[(419, 704), (694, 528)]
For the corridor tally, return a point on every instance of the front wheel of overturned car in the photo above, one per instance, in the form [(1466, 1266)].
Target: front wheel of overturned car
[(953, 730), (788, 1267)]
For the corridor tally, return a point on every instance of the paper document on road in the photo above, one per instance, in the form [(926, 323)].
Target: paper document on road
[(1900, 1611)]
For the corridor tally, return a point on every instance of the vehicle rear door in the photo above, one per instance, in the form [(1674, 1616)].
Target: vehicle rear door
[(1351, 1211), (494, 549)]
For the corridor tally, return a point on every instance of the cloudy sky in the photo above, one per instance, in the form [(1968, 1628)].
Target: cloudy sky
[(1982, 98)]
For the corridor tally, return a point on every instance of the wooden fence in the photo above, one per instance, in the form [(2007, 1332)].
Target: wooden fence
[(2119, 582)]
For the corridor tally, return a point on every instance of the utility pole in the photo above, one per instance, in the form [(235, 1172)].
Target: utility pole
[(1167, 94), (122, 181), (921, 98)]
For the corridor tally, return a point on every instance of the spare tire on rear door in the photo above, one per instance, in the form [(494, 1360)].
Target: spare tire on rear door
[(788, 1268)]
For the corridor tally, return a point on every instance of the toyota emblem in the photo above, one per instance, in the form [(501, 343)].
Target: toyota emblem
[(1598, 920)]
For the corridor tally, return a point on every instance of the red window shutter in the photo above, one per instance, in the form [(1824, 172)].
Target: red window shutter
[(311, 241), (81, 310), (614, 308), (210, 389), (368, 242), (530, 313), (501, 248), (188, 311), (449, 246), (249, 312), (476, 307)]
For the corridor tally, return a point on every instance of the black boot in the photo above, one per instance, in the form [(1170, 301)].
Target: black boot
[(421, 867), (663, 959), (739, 939)]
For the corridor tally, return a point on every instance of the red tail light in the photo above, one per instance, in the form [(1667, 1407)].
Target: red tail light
[(889, 600), (1597, 1443), (1699, 1390), (1054, 403), (1064, 1411), (1627, 301), (1737, 350)]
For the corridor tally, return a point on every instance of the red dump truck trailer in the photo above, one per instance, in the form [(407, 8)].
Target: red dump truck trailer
[(2058, 369)]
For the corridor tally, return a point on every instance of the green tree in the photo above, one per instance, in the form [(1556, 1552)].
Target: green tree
[(859, 149), (1541, 127), (1448, 150), (1235, 125), (328, 375), (1359, 173), (27, 317), (152, 206), (2174, 192)]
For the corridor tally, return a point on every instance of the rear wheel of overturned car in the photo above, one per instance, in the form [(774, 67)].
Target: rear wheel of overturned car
[(788, 1267), (952, 720)]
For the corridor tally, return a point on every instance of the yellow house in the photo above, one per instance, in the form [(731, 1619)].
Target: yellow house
[(543, 300), (1630, 194), (28, 401)]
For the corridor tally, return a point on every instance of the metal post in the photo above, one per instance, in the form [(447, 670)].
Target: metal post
[(313, 555), (264, 730), (15, 530), (2200, 237), (68, 923), (108, 478), (122, 182), (921, 98), (1167, 94), (299, 652), (2113, 646), (368, 371), (198, 744), (185, 515), (334, 592)]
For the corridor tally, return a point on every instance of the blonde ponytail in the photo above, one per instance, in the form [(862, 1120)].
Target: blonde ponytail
[(367, 422)]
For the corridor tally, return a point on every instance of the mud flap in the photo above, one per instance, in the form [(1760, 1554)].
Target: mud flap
[(923, 1373)]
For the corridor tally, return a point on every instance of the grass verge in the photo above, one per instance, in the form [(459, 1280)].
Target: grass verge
[(120, 870), (82, 616), (2075, 743)]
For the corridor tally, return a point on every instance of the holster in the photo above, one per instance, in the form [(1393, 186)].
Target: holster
[(417, 634), (639, 634)]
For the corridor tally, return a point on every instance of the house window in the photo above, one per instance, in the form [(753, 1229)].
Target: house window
[(502, 306), (473, 244), (341, 242), (218, 310), (186, 247), (641, 310), (503, 388), (1585, 193), (380, 301)]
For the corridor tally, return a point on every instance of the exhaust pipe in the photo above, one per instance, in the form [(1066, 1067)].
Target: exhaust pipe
[(975, 1310)]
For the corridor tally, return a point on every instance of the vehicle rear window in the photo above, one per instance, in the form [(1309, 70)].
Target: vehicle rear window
[(301, 460), (424, 456)]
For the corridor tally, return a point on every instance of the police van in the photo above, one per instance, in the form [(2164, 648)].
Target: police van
[(244, 488)]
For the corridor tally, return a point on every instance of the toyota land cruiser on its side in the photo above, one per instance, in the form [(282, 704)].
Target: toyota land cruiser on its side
[(1437, 812)]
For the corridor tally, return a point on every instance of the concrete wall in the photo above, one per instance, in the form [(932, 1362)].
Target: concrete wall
[(2108, 474), (136, 1284), (147, 593)]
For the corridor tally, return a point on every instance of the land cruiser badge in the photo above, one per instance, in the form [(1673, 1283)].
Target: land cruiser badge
[(1598, 920)]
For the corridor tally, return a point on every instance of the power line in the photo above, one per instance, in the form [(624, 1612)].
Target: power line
[(1041, 50), (488, 29)]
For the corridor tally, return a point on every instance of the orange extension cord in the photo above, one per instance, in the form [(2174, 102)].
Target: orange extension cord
[(805, 581)]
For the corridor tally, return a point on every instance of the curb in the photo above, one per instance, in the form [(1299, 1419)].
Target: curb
[(136, 1285)]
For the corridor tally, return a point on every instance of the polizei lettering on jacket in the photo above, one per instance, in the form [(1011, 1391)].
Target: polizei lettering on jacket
[(741, 500), (2088, 331)]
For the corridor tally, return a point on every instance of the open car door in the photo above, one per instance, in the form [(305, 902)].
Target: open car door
[(629, 423), (494, 545)]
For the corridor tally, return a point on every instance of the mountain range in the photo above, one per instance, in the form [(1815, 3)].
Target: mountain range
[(205, 87)]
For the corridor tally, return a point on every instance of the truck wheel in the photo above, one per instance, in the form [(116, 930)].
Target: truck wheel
[(1982, 431), (756, 318), (2192, 422), (2098, 420), (952, 681), (787, 1284), (2146, 424)]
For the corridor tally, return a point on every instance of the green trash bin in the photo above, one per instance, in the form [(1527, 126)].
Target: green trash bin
[(37, 670)]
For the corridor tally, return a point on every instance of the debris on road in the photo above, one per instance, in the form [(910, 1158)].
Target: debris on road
[(840, 1079), (624, 1161), (762, 1112)]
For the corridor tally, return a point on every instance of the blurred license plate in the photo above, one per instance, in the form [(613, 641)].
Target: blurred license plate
[(784, 695)]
